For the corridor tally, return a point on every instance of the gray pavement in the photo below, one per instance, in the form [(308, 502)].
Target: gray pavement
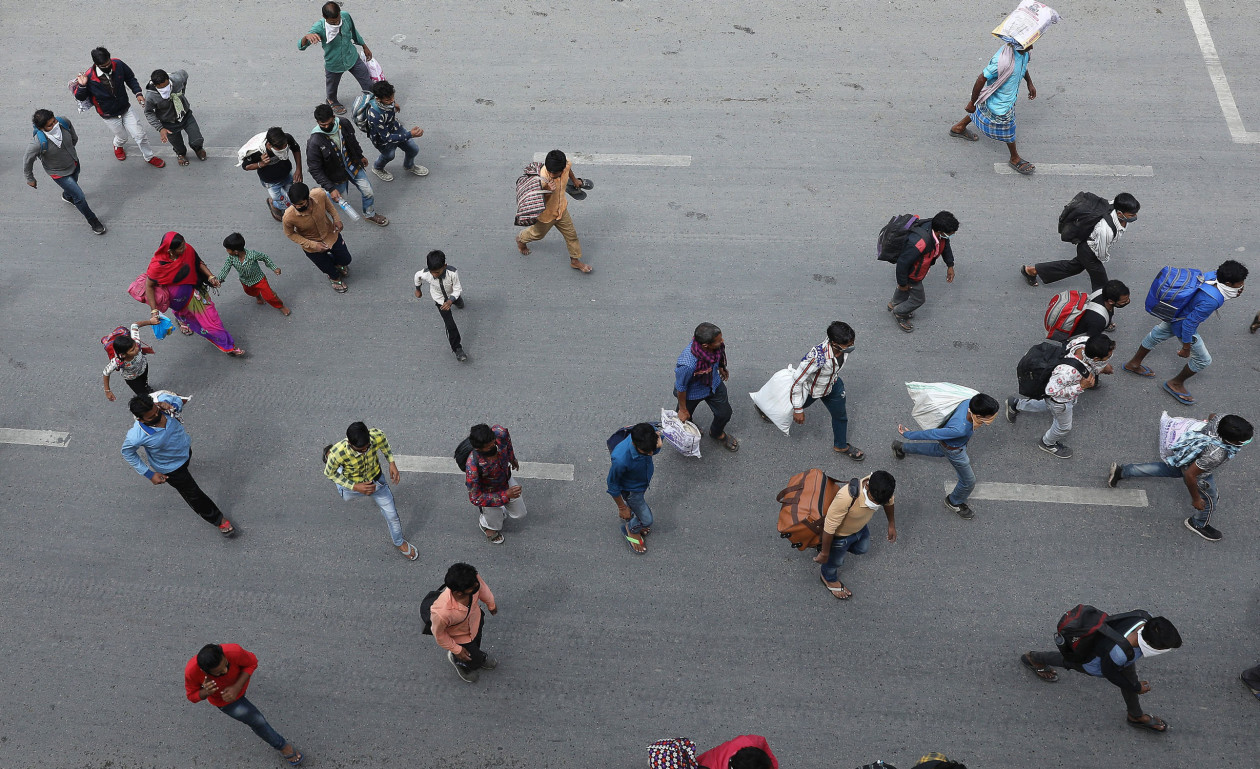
[(807, 129)]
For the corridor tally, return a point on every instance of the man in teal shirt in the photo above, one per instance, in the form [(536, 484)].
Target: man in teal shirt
[(993, 98), (338, 35)]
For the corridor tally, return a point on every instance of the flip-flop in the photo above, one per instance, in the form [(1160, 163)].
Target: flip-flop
[(1029, 279), (1040, 669), (411, 553), (836, 591), (185, 329), (729, 441), (182, 159), (1142, 371), (1185, 400), (637, 545), (293, 758), (1023, 166), (1156, 724), (497, 539), (1255, 325), (964, 134), (338, 109)]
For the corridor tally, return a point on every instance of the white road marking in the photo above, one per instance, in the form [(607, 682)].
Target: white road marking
[(214, 152), (1066, 495), (1079, 169), (446, 465), (34, 437), (1229, 108), (598, 159)]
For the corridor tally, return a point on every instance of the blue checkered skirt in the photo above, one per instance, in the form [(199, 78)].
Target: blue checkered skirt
[(1000, 127)]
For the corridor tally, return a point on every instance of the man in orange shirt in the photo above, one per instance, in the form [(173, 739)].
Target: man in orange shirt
[(455, 628), (220, 673), (556, 177)]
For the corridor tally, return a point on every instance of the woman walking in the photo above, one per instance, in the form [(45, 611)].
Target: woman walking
[(177, 271)]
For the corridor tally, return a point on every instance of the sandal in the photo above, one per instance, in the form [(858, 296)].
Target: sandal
[(852, 452), (1185, 399), (226, 529), (236, 352), (293, 758), (182, 159), (842, 593), (1044, 672), (1029, 279), (185, 329), (1023, 166), (579, 265), (1255, 324), (338, 286), (964, 134), (904, 323), (1153, 723), (411, 553), (636, 543), (338, 109), (1142, 371), (729, 441), (201, 154), (891, 306), (492, 536)]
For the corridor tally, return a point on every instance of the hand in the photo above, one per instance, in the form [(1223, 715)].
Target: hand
[(515, 465), (798, 417), (367, 52), (140, 99), (903, 288), (81, 79), (158, 479), (683, 414), (167, 407), (418, 294), (363, 162), (1032, 91), (493, 611), (31, 183), (394, 476), (1184, 352), (214, 281), (821, 557), (110, 395), (1146, 688), (335, 195), (311, 39), (722, 372), (265, 160), (277, 270), (463, 655), (892, 533), (1089, 382), (970, 108), (1199, 503), (417, 132), (624, 512), (366, 487), (164, 134), (1108, 369), (297, 176), (445, 306), (901, 429), (514, 492), (208, 687), (949, 275), (231, 693)]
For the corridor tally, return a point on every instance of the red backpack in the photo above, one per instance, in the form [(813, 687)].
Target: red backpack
[(121, 331), (1065, 311)]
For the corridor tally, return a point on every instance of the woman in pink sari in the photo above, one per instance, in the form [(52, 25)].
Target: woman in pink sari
[(178, 270)]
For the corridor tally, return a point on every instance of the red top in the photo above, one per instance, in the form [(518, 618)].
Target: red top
[(239, 661), (720, 757)]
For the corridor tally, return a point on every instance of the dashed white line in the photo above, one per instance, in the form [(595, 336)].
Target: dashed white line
[(446, 466), (1079, 169), (33, 437), (1229, 108), (1065, 495), (600, 159)]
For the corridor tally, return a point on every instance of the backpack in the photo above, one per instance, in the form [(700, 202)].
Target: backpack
[(43, 137), (804, 505), (426, 607), (1172, 292), (616, 438), (1082, 627), (1065, 311), (530, 200), (1035, 368), (673, 753), (462, 451), (1081, 215), (892, 239), (121, 331), (358, 112)]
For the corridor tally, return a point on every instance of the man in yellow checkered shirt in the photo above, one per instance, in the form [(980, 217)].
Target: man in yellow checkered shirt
[(353, 466)]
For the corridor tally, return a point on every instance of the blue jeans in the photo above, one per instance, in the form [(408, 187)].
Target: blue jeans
[(835, 403), (365, 189), (279, 192), (641, 514), (957, 458), (410, 150), (857, 544), (384, 499), (71, 192), (244, 711), (1207, 485), (1200, 358)]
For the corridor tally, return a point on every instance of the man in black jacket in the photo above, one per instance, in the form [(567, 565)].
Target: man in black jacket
[(927, 241), (105, 85), (335, 159)]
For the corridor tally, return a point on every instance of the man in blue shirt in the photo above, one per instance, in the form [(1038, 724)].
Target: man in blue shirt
[(993, 98), (628, 480), (167, 453), (950, 441), (700, 376)]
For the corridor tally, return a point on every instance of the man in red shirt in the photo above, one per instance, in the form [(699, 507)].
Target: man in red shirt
[(928, 240), (220, 674), (746, 752)]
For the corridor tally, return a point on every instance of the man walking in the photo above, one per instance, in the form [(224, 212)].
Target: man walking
[(167, 454), (993, 98), (446, 291), (928, 241), (278, 161), (1093, 251), (388, 135), (1099, 314), (950, 441), (53, 142), (338, 36), (105, 85), (629, 477), (454, 626), (846, 529), (1194, 459), (335, 159), (699, 376), (488, 476), (312, 222), (167, 108), (1218, 287), (556, 177), (1083, 360), (220, 674), (352, 465), (818, 379)]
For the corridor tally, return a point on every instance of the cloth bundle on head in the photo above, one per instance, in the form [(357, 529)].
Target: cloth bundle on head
[(1026, 23)]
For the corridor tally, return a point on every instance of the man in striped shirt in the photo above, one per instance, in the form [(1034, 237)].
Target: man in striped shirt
[(818, 379), (353, 466)]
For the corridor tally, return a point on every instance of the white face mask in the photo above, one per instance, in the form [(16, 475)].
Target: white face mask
[(55, 134), (866, 500), (1147, 650), (1229, 292), (165, 91), (331, 31)]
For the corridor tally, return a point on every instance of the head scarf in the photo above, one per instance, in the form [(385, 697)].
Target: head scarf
[(170, 270)]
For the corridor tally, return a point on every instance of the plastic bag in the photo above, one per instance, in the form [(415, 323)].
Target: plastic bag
[(1173, 429), (1027, 23), (84, 106), (775, 398), (934, 402), (683, 436), (163, 327), (374, 68)]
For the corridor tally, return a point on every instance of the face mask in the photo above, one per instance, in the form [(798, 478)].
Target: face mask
[(1229, 292), (165, 91), (1147, 651), (866, 500)]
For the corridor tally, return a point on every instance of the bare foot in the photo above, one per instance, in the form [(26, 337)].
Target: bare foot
[(285, 311)]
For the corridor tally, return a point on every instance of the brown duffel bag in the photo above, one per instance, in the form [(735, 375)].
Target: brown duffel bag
[(804, 505)]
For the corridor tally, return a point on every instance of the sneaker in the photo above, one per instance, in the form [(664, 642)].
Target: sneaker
[(899, 450), (1206, 531), (382, 174), (120, 153), (418, 170), (964, 512), (226, 529), (1011, 411), (460, 355), (97, 227), (491, 663), (1058, 449), (377, 219), (1114, 477), (465, 675), (68, 200), (156, 162)]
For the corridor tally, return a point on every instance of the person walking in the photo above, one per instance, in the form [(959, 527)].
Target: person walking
[(335, 159), (311, 221), (1218, 287), (447, 292), (105, 86), (1099, 314), (456, 628), (168, 453), (276, 157), (127, 358), (557, 177), (845, 526), (245, 262), (488, 477), (168, 110), (220, 674), (183, 278), (950, 441), (1126, 639), (388, 135), (353, 466), (1092, 252), (629, 477), (928, 241), (748, 751), (993, 98), (53, 142), (1194, 459), (700, 376), (818, 379), (1083, 360), (338, 36)]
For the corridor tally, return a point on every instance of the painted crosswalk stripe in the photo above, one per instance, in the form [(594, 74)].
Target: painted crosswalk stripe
[(1079, 169), (33, 437), (1065, 495), (1216, 73), (446, 465), (601, 159)]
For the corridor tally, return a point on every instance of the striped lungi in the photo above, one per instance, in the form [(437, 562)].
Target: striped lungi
[(1000, 127)]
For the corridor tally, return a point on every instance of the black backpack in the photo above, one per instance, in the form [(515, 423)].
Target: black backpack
[(616, 438), (461, 454), (426, 607), (1081, 628), (1035, 368), (892, 239), (1081, 215)]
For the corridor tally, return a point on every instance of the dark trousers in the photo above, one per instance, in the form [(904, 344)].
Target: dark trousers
[(1055, 660), (1085, 261), (835, 403), (329, 261), (72, 193), (448, 319), (176, 138), (1251, 677), (187, 487), (719, 405), (478, 657), (140, 385)]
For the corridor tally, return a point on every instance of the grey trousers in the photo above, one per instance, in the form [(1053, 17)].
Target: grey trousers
[(906, 302), (189, 126), (333, 79), (1061, 412)]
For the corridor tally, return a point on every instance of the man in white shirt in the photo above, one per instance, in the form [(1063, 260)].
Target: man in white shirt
[(446, 291), (1092, 252), (1066, 384), (818, 379)]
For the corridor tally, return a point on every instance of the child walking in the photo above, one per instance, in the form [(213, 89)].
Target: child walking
[(245, 261), (446, 291), (126, 356)]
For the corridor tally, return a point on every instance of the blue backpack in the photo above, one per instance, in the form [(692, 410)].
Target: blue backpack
[(43, 138), (1172, 292)]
